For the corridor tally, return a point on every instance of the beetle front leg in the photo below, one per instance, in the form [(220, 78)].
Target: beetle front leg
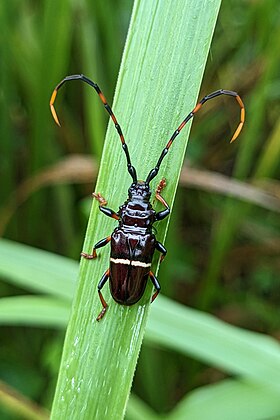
[(99, 244), (156, 285), (161, 249), (103, 280), (105, 210), (164, 213)]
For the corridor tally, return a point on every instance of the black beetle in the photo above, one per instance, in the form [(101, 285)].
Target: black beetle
[(133, 242)]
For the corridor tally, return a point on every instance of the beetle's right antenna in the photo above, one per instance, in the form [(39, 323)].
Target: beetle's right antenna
[(212, 95), (83, 78)]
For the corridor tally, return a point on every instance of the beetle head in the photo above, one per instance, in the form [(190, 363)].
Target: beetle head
[(140, 190)]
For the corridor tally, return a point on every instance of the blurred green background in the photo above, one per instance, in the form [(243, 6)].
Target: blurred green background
[(223, 253)]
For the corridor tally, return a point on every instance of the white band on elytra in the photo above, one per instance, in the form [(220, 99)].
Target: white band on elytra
[(130, 262)]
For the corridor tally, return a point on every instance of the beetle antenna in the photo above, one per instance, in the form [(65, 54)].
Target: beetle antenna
[(212, 95), (83, 78)]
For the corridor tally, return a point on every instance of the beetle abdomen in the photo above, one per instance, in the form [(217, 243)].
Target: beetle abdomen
[(130, 264), (127, 282)]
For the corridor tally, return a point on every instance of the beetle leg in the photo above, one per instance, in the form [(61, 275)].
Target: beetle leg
[(109, 212), (103, 280), (161, 249), (99, 244), (164, 213), (105, 210), (156, 285), (100, 198)]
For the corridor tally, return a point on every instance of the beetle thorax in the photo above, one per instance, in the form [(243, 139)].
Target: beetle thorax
[(137, 212)]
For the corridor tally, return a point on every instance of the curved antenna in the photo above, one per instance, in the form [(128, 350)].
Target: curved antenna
[(83, 78), (212, 95)]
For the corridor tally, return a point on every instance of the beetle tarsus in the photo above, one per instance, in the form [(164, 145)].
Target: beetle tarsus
[(164, 213), (100, 198), (101, 283), (102, 313), (161, 185), (154, 296), (89, 256)]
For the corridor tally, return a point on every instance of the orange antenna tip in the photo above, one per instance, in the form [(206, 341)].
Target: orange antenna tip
[(54, 114), (237, 132), (242, 119)]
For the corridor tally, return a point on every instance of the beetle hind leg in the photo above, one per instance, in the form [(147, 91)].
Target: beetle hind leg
[(156, 285), (162, 250), (103, 280)]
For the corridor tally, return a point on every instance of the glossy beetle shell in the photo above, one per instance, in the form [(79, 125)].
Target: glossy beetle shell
[(130, 264)]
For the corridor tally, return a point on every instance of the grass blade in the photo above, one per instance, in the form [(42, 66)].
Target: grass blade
[(162, 67), (37, 270), (229, 400), (172, 325), (203, 336), (38, 311)]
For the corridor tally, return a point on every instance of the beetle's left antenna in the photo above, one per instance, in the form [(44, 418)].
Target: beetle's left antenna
[(212, 95), (83, 78)]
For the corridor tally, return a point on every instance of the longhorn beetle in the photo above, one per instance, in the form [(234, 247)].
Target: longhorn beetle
[(132, 241)]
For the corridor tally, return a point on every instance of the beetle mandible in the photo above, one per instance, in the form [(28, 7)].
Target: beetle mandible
[(132, 241)]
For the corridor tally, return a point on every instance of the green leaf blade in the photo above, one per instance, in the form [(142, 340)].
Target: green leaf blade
[(38, 311), (158, 85), (37, 270)]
